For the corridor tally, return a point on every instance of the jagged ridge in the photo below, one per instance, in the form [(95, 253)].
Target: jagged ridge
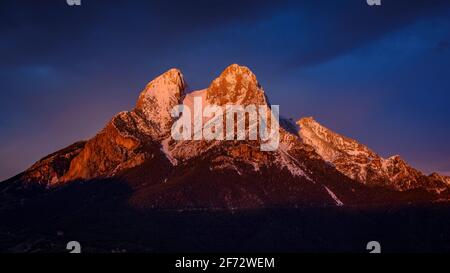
[(362, 164)]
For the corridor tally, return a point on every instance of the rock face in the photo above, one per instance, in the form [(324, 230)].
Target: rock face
[(362, 164), (52, 168), (157, 100), (440, 178), (124, 142), (136, 148), (236, 85)]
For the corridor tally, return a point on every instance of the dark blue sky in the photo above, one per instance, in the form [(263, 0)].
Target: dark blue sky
[(376, 74)]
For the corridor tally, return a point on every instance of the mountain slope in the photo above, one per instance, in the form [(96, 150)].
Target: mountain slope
[(125, 141), (362, 164), (136, 149)]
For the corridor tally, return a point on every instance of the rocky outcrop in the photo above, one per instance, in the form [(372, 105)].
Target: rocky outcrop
[(236, 85), (53, 167)]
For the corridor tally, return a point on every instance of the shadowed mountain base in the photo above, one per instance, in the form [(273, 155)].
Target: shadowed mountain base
[(49, 220)]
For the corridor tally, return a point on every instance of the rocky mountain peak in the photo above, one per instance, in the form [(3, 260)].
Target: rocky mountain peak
[(169, 85), (236, 85), (439, 177), (159, 97), (358, 162), (329, 144)]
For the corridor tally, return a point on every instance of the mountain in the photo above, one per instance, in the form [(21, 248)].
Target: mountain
[(360, 163), (311, 167)]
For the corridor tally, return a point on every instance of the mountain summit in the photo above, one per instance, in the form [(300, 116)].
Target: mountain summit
[(314, 167), (236, 85), (159, 97)]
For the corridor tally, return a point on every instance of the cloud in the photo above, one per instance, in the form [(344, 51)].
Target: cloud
[(343, 26), (51, 31)]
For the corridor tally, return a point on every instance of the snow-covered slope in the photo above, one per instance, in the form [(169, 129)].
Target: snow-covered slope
[(362, 164)]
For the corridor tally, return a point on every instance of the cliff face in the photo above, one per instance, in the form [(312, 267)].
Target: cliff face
[(122, 143), (236, 85), (53, 167)]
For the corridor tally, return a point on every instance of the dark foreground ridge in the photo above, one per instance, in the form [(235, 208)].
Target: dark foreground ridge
[(104, 222)]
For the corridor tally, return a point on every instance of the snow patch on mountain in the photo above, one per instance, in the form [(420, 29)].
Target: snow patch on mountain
[(166, 150), (333, 195), (285, 160)]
